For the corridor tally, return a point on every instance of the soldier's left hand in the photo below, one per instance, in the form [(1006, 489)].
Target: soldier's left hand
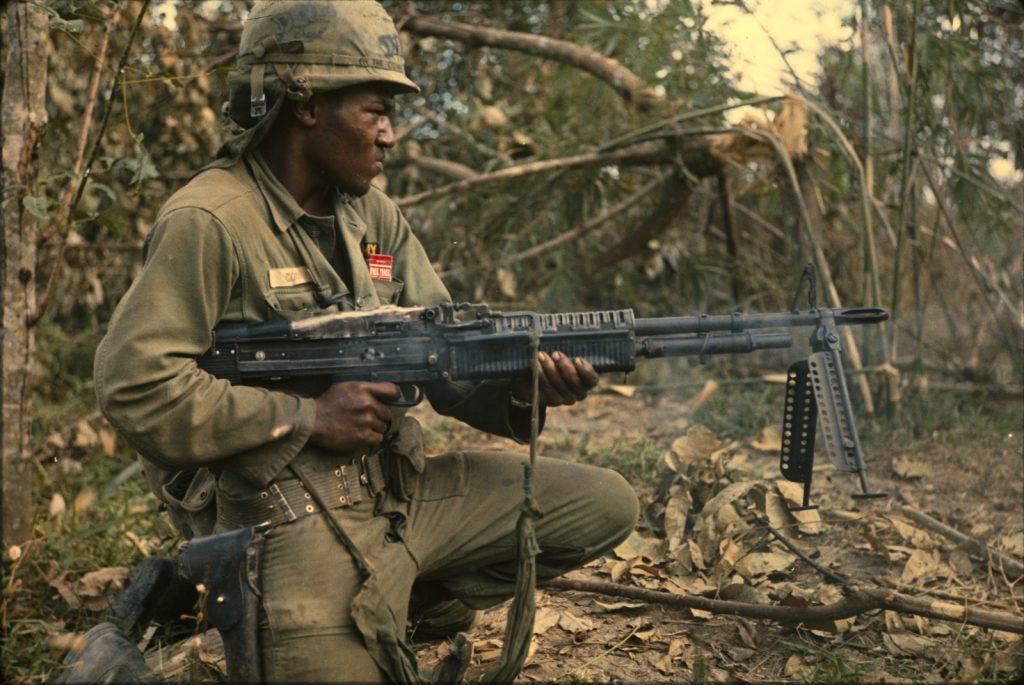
[(563, 380)]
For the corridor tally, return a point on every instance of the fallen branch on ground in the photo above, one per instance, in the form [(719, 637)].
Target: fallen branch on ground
[(1015, 568), (856, 603)]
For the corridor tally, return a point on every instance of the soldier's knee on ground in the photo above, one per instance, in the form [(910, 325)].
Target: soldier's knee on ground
[(621, 508)]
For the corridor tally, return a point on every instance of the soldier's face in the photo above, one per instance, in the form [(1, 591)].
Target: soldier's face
[(353, 135)]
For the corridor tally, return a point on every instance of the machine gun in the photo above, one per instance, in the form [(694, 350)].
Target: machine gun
[(420, 345)]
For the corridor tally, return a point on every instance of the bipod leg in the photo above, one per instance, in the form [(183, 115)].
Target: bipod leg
[(799, 419), (838, 426)]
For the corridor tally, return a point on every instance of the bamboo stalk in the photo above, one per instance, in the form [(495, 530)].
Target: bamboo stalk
[(907, 167)]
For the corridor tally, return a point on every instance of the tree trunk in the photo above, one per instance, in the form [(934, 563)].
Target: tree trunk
[(23, 122)]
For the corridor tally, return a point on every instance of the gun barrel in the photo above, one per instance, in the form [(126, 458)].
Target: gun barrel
[(711, 344), (736, 323)]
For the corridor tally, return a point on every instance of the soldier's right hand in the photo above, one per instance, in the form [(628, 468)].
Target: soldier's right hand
[(353, 414)]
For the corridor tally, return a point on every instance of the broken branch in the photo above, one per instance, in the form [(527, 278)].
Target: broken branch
[(626, 83), (854, 604), (644, 153), (973, 546)]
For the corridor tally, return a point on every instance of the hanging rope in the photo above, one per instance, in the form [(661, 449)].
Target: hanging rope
[(519, 625)]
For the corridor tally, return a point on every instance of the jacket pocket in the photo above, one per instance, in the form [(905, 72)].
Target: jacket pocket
[(291, 302), (388, 292)]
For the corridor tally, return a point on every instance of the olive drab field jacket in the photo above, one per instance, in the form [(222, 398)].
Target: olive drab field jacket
[(233, 245)]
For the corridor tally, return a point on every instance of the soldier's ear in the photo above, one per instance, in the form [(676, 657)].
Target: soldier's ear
[(306, 113)]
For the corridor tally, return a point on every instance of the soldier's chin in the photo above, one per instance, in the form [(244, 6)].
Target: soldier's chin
[(357, 191)]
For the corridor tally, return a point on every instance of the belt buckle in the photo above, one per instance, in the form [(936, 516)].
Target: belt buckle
[(282, 502), (348, 496)]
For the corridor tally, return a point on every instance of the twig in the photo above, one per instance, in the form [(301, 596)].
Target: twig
[(83, 178), (625, 82), (729, 224), (834, 577), (64, 208), (592, 223), (854, 604), (643, 153), (579, 669), (973, 546), (444, 167), (675, 197)]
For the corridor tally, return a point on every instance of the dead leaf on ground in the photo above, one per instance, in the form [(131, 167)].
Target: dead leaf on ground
[(637, 545), (808, 520), (912, 534), (620, 606), (624, 390), (677, 646), (769, 440), (677, 508), (108, 441), (779, 515), (695, 447), (908, 468), (741, 592), (487, 650), (57, 505), (85, 435), (908, 643), (1012, 543), (574, 624), (763, 563), (92, 586), (796, 668), (921, 564), (961, 562), (545, 618), (66, 589), (664, 664), (84, 499)]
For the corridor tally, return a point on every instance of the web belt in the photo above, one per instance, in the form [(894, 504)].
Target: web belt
[(286, 499)]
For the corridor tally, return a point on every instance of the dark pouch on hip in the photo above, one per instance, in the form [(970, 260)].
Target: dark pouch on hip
[(405, 459), (227, 565)]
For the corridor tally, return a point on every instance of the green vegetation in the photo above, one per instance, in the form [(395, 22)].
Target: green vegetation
[(896, 197)]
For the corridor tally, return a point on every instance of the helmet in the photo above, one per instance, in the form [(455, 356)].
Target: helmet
[(297, 47)]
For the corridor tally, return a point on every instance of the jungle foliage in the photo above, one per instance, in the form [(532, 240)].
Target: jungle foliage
[(888, 182)]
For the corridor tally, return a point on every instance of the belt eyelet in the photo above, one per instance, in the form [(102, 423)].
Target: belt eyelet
[(309, 508)]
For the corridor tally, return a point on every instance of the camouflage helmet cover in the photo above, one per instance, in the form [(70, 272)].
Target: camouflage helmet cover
[(298, 47)]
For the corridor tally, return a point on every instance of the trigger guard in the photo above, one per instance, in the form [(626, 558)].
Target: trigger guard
[(416, 399)]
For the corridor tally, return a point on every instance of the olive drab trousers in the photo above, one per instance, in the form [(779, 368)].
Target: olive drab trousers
[(458, 530)]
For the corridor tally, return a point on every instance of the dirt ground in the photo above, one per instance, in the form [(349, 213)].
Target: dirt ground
[(705, 501)]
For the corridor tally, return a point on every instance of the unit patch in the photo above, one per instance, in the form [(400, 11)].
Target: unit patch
[(380, 267)]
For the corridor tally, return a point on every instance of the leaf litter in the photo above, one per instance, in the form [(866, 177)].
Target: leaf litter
[(703, 533)]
